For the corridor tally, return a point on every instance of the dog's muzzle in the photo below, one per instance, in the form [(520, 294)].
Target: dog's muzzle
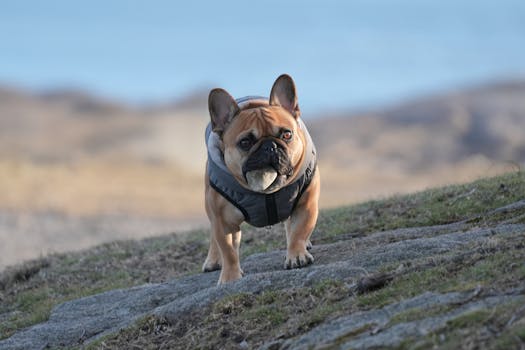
[(268, 167)]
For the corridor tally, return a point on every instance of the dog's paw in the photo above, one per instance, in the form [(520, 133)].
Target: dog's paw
[(298, 260), (230, 275), (210, 266)]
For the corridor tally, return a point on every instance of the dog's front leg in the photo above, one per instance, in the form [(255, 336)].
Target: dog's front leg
[(213, 259), (225, 238), (300, 225), (228, 241)]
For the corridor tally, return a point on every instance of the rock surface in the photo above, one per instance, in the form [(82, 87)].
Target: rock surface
[(81, 321), (334, 333)]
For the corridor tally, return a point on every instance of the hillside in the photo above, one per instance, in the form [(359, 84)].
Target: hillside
[(442, 268)]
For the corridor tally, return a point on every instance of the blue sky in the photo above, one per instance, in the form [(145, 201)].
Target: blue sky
[(341, 54)]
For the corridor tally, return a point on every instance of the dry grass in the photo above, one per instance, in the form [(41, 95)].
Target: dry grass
[(93, 187)]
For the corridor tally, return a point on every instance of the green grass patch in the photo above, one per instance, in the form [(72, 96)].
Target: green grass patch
[(496, 270), (34, 305), (30, 307), (417, 314), (470, 319), (431, 207), (480, 329)]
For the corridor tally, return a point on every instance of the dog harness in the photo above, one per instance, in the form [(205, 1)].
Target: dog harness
[(259, 209)]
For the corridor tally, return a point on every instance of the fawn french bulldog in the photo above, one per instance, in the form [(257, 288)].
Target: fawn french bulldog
[(262, 169)]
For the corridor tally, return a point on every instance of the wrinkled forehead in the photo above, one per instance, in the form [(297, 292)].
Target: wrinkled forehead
[(263, 121)]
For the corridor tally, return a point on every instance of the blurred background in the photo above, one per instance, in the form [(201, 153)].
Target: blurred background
[(103, 104)]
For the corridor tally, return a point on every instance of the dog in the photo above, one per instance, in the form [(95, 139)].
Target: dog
[(261, 169)]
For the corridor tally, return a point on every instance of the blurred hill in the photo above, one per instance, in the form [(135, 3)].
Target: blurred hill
[(67, 126), (447, 138), (488, 120), (80, 159)]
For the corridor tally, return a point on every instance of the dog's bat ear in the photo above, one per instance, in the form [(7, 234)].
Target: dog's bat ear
[(283, 94), (222, 109)]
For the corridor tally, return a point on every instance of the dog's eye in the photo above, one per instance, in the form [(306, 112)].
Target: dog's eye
[(287, 135), (246, 143)]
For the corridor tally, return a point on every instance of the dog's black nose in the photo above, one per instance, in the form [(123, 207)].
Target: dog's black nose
[(269, 146)]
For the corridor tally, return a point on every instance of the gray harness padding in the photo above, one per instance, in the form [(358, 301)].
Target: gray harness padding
[(259, 209)]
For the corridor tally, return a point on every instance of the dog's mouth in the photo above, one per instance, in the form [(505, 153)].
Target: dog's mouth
[(268, 168), (265, 180), (261, 179)]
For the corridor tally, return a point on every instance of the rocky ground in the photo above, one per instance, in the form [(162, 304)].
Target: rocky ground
[(443, 268)]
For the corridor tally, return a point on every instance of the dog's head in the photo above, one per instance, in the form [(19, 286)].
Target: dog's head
[(263, 144)]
